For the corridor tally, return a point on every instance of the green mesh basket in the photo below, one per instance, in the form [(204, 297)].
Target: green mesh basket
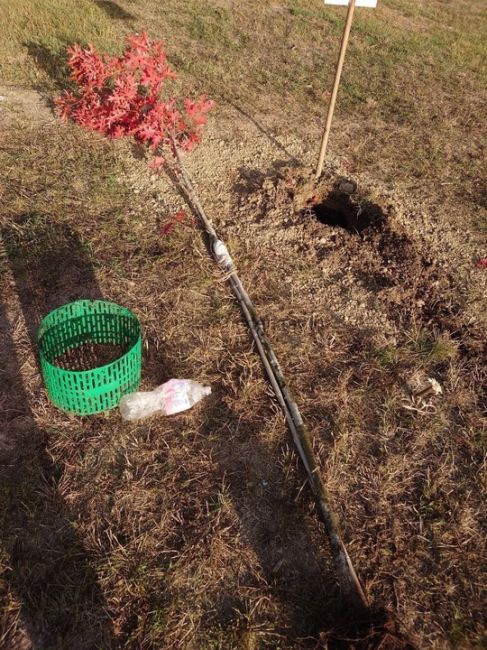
[(91, 355)]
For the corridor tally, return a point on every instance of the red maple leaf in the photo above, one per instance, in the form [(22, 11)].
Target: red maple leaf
[(177, 218)]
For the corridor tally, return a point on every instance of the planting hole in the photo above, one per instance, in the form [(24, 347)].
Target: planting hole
[(340, 210)]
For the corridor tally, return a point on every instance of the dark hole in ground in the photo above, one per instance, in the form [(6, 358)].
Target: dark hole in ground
[(339, 209)]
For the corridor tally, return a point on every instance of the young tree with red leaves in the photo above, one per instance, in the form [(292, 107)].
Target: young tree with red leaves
[(123, 96)]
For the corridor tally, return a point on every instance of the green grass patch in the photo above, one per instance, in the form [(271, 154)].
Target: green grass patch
[(35, 35)]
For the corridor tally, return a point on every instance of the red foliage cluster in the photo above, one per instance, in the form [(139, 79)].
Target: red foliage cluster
[(122, 96)]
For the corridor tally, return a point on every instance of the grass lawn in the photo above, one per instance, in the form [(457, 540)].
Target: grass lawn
[(199, 531)]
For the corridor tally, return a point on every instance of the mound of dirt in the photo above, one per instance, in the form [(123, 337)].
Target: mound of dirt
[(361, 246)]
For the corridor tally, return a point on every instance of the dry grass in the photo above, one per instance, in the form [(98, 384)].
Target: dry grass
[(198, 531), (185, 528)]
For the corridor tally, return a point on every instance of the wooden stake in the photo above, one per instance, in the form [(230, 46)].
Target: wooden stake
[(338, 74)]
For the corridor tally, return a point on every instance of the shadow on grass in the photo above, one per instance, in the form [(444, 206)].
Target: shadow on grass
[(113, 10), (291, 159), (251, 180), (51, 266), (47, 571), (52, 62), (295, 564)]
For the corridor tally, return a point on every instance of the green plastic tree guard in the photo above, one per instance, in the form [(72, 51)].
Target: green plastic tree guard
[(90, 322)]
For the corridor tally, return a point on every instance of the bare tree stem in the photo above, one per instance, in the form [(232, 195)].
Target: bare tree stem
[(350, 585)]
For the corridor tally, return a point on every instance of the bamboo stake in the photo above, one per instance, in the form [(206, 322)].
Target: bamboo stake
[(336, 83), (350, 585)]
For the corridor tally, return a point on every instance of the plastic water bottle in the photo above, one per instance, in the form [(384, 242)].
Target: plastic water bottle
[(175, 396), (181, 394)]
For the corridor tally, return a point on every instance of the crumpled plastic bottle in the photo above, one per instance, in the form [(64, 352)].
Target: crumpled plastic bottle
[(175, 396)]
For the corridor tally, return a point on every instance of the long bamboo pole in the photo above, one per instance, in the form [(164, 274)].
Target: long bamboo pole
[(336, 83), (350, 585)]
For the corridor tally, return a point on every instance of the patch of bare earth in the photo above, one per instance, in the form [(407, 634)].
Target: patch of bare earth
[(21, 103)]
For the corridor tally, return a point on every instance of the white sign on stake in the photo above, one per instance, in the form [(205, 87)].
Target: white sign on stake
[(351, 4), (358, 3)]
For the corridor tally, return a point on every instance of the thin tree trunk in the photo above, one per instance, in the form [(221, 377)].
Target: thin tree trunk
[(350, 585)]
